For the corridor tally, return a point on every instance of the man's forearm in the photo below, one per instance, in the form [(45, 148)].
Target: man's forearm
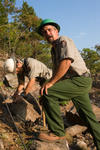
[(62, 69), (20, 88), (29, 86)]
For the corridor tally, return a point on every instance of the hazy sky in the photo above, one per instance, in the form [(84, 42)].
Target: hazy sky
[(79, 19)]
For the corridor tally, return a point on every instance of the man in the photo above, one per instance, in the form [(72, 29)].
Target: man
[(71, 80), (29, 67)]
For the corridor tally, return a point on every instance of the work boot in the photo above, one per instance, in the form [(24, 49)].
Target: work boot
[(50, 137)]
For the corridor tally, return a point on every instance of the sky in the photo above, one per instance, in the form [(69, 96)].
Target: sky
[(78, 19)]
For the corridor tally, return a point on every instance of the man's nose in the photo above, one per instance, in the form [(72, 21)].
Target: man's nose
[(47, 32)]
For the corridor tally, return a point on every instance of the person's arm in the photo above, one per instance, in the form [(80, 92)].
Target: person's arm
[(29, 86), (62, 69), (20, 88), (21, 81), (18, 91)]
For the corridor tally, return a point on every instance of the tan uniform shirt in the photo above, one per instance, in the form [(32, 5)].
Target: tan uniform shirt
[(64, 48), (33, 68)]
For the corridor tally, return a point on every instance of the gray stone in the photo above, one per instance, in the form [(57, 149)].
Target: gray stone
[(25, 110), (11, 80), (38, 145), (1, 145)]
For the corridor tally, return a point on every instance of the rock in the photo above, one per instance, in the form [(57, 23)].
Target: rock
[(70, 109), (11, 80), (25, 110), (96, 110), (1, 145), (82, 145), (38, 145), (75, 129)]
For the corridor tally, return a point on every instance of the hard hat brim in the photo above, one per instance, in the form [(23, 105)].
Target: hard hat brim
[(49, 23)]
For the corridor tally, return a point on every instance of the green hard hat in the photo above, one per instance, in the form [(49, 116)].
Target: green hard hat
[(48, 22)]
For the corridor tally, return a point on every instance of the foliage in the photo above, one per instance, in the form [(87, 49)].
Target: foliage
[(91, 57), (29, 42), (6, 8), (20, 36), (97, 47)]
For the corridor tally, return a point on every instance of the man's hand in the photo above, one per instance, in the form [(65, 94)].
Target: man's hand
[(16, 96), (23, 94), (45, 87), (30, 86), (62, 69)]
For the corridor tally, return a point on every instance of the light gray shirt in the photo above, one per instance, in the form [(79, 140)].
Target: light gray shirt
[(33, 68), (64, 48)]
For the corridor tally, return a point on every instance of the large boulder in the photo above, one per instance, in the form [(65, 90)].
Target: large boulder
[(23, 109), (38, 145), (11, 80)]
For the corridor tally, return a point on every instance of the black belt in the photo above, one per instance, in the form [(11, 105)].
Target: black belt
[(86, 74)]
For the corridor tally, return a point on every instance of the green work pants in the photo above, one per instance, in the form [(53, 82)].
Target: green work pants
[(75, 89)]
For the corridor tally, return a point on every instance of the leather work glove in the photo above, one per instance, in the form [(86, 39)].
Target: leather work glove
[(17, 96), (23, 94)]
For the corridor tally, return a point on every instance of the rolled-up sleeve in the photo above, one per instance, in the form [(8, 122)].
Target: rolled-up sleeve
[(67, 50)]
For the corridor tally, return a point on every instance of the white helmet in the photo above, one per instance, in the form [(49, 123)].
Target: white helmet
[(9, 65)]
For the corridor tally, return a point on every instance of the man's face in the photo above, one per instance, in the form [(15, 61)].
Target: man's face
[(18, 67), (50, 33)]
